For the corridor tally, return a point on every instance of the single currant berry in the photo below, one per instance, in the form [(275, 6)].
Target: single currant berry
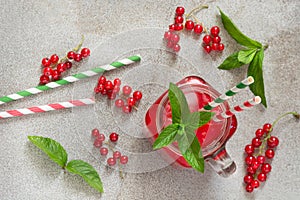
[(178, 27), (270, 153), (262, 177), (47, 71), (273, 141), (95, 132), (85, 52), (249, 149), (215, 46), (117, 82), (123, 160), (126, 90), (172, 27), (170, 44), (55, 75), (176, 48), (221, 47), (44, 79), (68, 65), (250, 159), (109, 85), (131, 101), (261, 159), (54, 59), (207, 48), (259, 132), (167, 35), (100, 87), (206, 39), (179, 10), (119, 103), (255, 183), (175, 38), (249, 188), (77, 57), (117, 154), (97, 90), (102, 80), (127, 109), (101, 137), (267, 127), (216, 39), (97, 143), (61, 67), (266, 168), (114, 137), (137, 95), (255, 165), (214, 31), (198, 29), (251, 170), (103, 151), (256, 142), (46, 62), (116, 89), (104, 92), (111, 161), (189, 25), (178, 19), (248, 178), (71, 55)]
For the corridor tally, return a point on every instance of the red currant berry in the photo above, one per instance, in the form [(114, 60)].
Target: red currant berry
[(61, 67), (137, 95), (55, 75), (267, 127), (123, 160), (102, 80), (97, 143), (111, 95), (97, 90), (273, 142), (68, 65), (100, 87), (77, 57), (119, 103), (95, 133), (255, 183), (44, 79), (175, 38), (167, 35), (207, 48), (266, 168), (116, 154), (109, 85), (54, 59), (101, 137), (176, 48), (117, 82), (178, 27), (256, 142), (116, 90), (206, 39), (178, 19), (249, 188), (255, 165), (248, 178), (85, 52), (251, 170), (198, 29), (249, 149), (131, 101), (262, 177), (215, 46), (270, 153), (179, 10), (104, 91), (114, 137), (261, 159), (127, 109), (111, 161), (126, 90), (259, 132), (103, 151), (189, 25), (221, 47), (172, 27), (216, 39), (71, 55), (46, 62), (214, 31), (249, 160), (47, 71), (170, 44)]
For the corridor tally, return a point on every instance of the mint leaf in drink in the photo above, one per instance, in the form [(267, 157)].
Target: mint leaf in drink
[(166, 137), (87, 172), (255, 69), (236, 34), (198, 119), (231, 62), (52, 148), (247, 55)]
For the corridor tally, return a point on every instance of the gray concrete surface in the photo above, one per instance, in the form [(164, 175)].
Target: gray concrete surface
[(31, 30)]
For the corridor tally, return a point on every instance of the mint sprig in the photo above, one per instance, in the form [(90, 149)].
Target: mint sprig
[(58, 154), (252, 54), (182, 129)]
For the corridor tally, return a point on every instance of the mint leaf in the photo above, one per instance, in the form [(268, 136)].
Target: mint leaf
[(255, 70), (198, 119), (237, 34), (87, 172), (52, 148), (191, 151), (231, 62), (247, 55), (166, 137), (179, 106)]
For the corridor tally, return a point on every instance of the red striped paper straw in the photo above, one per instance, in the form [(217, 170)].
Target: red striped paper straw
[(239, 108), (46, 108)]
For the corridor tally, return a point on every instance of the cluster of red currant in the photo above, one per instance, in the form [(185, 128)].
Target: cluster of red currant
[(211, 41), (112, 89), (53, 67), (99, 139)]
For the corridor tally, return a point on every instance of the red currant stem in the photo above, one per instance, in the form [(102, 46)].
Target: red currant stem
[(76, 49), (198, 22), (111, 148), (263, 145), (295, 114), (266, 46), (197, 9)]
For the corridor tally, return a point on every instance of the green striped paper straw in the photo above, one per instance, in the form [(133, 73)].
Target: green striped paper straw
[(70, 79), (227, 95)]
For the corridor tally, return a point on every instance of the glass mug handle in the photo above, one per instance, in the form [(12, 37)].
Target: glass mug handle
[(221, 162)]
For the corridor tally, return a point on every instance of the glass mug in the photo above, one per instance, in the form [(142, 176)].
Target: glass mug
[(212, 136)]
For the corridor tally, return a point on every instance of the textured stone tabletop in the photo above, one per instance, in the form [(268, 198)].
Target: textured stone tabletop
[(31, 30)]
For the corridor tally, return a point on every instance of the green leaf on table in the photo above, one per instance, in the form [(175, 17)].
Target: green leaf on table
[(52, 148), (198, 119), (237, 34), (166, 137), (255, 69), (87, 172), (247, 55), (231, 62), (178, 102)]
